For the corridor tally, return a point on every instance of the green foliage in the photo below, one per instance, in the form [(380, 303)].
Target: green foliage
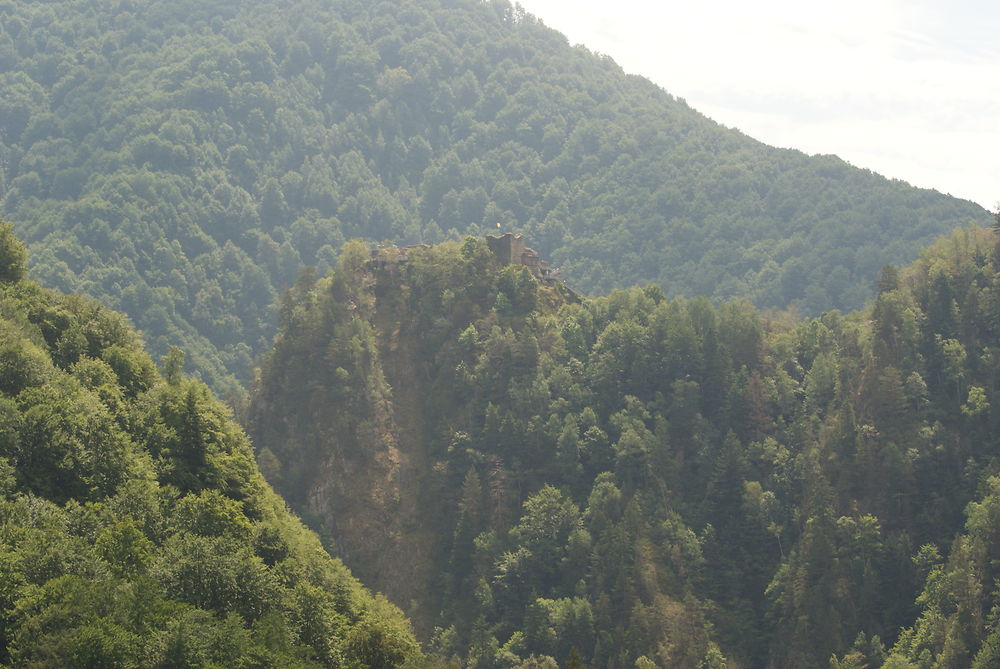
[(13, 256), (135, 528), (181, 161)]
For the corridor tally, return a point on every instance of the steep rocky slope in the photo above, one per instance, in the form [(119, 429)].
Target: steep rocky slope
[(643, 481)]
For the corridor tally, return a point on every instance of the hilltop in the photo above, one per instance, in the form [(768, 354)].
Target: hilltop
[(650, 482)]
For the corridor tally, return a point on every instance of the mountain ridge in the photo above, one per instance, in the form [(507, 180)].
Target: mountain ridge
[(181, 162)]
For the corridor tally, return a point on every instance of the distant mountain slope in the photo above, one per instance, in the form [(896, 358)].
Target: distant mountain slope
[(180, 160), (135, 528)]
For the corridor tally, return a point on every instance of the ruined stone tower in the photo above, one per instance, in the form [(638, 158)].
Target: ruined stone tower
[(510, 249)]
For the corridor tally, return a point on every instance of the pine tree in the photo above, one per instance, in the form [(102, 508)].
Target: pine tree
[(574, 661)]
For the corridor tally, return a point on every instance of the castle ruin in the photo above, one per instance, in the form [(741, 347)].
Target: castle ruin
[(510, 249)]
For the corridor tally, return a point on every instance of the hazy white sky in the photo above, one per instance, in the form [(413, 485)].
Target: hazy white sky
[(909, 89)]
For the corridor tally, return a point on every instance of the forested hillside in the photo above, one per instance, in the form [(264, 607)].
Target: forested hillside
[(650, 482), (181, 160), (135, 527)]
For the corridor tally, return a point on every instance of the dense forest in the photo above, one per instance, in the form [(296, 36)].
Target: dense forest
[(135, 527), (532, 478), (639, 481), (181, 160)]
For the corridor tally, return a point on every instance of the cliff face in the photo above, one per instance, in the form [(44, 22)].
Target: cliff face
[(373, 504), (340, 416)]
